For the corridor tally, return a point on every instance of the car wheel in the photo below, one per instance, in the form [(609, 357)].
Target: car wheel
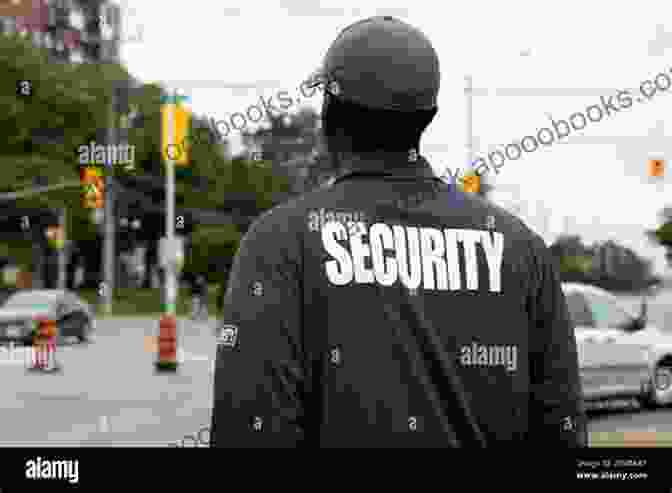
[(660, 392)]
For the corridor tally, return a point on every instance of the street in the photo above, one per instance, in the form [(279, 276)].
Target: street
[(108, 394)]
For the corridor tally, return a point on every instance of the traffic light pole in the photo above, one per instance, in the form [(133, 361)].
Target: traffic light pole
[(170, 267), (167, 354)]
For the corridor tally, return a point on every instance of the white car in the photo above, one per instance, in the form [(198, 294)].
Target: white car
[(20, 311), (620, 353)]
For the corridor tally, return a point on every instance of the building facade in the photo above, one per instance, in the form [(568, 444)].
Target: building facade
[(74, 31)]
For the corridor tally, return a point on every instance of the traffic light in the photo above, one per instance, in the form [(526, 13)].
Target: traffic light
[(656, 168), (176, 149), (93, 187), (471, 182)]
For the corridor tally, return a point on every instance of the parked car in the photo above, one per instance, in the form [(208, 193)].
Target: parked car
[(620, 353), (20, 311)]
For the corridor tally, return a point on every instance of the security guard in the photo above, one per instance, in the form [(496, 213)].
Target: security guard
[(390, 309)]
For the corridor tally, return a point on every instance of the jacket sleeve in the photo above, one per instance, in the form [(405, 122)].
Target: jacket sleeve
[(259, 377), (557, 415)]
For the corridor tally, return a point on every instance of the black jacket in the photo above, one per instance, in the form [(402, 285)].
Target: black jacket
[(392, 310)]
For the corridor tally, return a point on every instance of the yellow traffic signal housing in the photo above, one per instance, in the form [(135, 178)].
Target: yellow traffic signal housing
[(471, 183), (176, 149), (93, 187), (657, 168)]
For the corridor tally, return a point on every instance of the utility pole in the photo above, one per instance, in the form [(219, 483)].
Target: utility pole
[(470, 130)]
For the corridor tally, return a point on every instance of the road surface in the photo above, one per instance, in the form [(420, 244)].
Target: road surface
[(108, 394)]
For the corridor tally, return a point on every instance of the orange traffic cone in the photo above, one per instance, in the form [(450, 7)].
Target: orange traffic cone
[(44, 345), (167, 357), (51, 332)]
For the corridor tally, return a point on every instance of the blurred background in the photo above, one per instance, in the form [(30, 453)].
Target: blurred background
[(591, 197), (75, 72)]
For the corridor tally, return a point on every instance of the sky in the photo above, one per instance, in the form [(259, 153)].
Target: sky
[(528, 64)]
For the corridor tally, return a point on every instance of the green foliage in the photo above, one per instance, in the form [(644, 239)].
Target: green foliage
[(664, 234), (212, 251), (578, 263), (76, 99), (65, 96), (19, 251), (618, 268), (285, 138)]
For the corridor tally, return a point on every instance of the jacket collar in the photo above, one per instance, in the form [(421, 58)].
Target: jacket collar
[(385, 164)]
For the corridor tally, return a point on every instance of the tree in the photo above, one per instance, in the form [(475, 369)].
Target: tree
[(75, 99), (608, 265), (205, 242), (71, 99), (289, 143), (663, 234)]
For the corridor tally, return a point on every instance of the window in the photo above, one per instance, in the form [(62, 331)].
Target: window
[(606, 313), (579, 310)]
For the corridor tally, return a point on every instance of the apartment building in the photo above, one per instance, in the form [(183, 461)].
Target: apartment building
[(74, 31)]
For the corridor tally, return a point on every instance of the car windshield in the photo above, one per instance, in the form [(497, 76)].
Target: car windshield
[(31, 300)]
